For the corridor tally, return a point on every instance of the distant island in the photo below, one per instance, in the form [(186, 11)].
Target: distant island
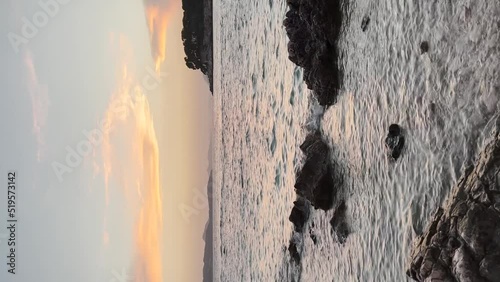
[(208, 237), (197, 36)]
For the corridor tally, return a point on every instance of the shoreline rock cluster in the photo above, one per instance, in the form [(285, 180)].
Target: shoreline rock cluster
[(462, 240), (313, 28), (315, 188)]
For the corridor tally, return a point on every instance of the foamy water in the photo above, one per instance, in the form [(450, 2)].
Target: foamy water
[(445, 100)]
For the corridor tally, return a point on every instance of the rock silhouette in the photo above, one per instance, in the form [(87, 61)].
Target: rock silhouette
[(394, 141), (424, 47), (300, 213), (313, 28), (197, 36), (315, 179)]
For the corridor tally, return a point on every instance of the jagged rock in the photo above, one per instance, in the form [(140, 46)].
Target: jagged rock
[(365, 22), (313, 28), (462, 240), (315, 180), (299, 214), (394, 141), (339, 224), (424, 47), (490, 267)]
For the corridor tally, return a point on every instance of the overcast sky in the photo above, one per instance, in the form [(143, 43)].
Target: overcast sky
[(108, 132)]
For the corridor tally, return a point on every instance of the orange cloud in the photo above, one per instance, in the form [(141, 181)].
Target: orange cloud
[(131, 162), (157, 17), (39, 95)]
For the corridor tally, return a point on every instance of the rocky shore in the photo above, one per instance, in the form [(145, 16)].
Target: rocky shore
[(462, 240), (316, 189), (313, 28)]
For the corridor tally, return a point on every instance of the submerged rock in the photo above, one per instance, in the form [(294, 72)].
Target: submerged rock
[(314, 238), (424, 47), (294, 248), (315, 179), (462, 240), (299, 214), (395, 141), (365, 22), (339, 224)]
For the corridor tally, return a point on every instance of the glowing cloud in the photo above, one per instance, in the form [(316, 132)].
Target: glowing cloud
[(157, 16), (39, 103), (131, 161)]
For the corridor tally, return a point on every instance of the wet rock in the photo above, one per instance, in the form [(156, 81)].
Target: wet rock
[(339, 224), (365, 22), (299, 214), (294, 253), (424, 47), (462, 240), (315, 179), (313, 28), (314, 238), (394, 141), (489, 267)]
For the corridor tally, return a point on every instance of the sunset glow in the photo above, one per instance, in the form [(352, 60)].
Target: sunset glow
[(131, 162), (157, 17)]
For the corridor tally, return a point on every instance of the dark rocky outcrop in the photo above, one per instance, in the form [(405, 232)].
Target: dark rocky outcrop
[(197, 36), (300, 213), (365, 22), (313, 28), (424, 47), (462, 241), (395, 141), (315, 179), (339, 224)]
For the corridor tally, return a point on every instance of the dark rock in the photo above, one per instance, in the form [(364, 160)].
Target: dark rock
[(394, 141), (394, 130), (339, 224), (294, 252), (310, 140), (299, 214), (365, 22), (489, 267), (197, 36), (424, 47), (313, 28), (315, 179), (462, 240), (313, 238)]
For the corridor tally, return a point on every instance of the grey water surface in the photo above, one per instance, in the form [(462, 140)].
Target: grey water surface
[(445, 100)]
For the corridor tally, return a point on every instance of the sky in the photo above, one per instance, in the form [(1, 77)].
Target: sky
[(107, 132)]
